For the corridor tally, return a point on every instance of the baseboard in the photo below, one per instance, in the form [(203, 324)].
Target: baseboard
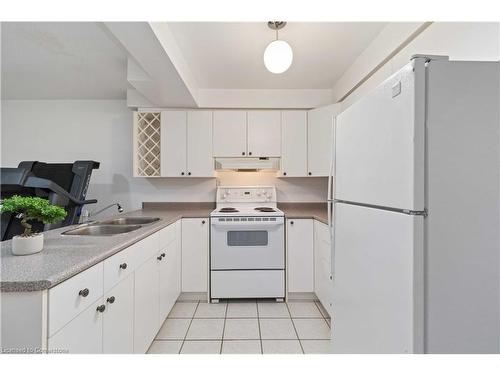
[(192, 296), (310, 296)]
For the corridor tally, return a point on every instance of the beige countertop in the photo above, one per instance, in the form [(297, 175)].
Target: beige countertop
[(65, 256), (316, 211)]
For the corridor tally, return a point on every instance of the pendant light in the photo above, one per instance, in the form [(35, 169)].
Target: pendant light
[(278, 55)]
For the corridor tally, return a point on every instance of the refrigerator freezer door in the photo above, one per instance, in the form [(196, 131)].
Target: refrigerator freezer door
[(379, 144), (377, 302)]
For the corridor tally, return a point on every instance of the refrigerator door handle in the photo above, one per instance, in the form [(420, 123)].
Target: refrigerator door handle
[(332, 161), (332, 242), (330, 200)]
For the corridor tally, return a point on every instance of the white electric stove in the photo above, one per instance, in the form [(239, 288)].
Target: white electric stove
[(247, 252)]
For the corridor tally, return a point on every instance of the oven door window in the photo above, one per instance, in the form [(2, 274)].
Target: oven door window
[(247, 238)]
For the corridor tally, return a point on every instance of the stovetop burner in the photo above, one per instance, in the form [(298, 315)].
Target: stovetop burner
[(265, 209), (228, 209)]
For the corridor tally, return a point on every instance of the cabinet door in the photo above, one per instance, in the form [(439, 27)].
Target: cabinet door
[(320, 140), (230, 134), (294, 144), (264, 133), (300, 268), (146, 305), (195, 255), (83, 335), (118, 324), (173, 144), (322, 265), (170, 279), (200, 162)]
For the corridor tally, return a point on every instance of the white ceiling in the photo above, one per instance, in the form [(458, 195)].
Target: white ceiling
[(61, 60), (229, 55)]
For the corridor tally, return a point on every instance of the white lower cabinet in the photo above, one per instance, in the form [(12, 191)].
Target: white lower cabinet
[(195, 255), (169, 277), (322, 265), (146, 304), (119, 304), (300, 255), (81, 335), (117, 335)]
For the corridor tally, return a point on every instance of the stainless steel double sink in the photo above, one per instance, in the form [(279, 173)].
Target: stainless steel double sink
[(111, 227)]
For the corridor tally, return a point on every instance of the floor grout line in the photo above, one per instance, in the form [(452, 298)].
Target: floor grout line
[(254, 317), (258, 324), (223, 328), (259, 319), (242, 339), (192, 318), (295, 329)]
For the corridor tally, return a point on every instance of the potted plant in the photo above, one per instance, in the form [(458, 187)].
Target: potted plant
[(27, 209)]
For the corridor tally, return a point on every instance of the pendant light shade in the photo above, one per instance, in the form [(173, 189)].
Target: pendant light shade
[(278, 55)]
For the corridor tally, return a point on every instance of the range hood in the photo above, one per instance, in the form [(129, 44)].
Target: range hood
[(247, 164)]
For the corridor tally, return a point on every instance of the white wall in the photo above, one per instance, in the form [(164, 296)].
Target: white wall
[(458, 40), (64, 131)]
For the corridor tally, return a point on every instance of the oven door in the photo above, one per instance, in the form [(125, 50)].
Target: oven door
[(247, 243)]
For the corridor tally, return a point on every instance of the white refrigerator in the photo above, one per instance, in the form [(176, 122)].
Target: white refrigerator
[(415, 213)]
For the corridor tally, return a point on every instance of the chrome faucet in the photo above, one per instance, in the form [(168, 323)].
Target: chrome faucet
[(86, 214)]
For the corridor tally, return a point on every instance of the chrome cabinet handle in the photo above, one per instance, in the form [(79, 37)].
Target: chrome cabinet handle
[(83, 292)]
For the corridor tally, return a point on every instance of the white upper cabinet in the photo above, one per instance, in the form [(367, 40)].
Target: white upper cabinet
[(264, 133), (200, 161), (320, 140), (186, 144), (230, 133), (173, 143), (294, 144)]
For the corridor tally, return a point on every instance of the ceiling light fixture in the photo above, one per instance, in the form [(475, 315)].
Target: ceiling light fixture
[(278, 55)]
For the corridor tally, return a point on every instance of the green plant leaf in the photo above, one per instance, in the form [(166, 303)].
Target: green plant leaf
[(33, 208)]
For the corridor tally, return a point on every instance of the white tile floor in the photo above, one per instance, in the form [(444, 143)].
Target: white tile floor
[(244, 327)]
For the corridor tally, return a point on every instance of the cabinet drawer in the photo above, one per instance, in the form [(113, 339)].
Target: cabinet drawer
[(248, 284), (74, 295), (167, 236), (119, 266)]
